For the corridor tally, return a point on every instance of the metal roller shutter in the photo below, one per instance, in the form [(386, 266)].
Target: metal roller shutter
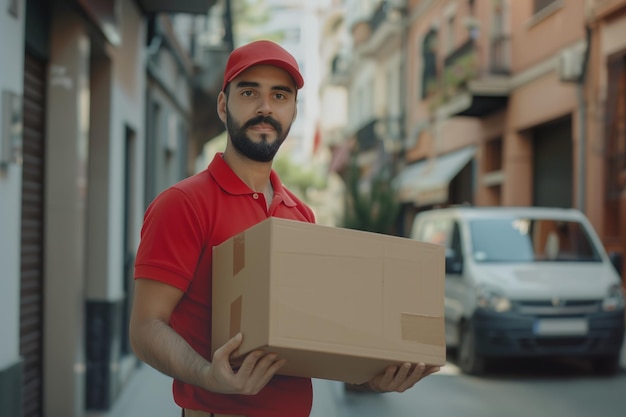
[(31, 297)]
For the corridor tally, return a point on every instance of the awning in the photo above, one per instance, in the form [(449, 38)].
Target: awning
[(178, 6), (426, 182)]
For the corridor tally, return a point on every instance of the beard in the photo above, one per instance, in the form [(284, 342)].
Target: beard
[(263, 151)]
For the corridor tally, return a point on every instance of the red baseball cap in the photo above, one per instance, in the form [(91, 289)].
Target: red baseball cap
[(261, 52)]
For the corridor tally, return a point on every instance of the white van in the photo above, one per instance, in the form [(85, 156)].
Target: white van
[(526, 282)]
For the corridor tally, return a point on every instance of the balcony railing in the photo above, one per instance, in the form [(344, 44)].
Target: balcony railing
[(473, 89), (463, 50), (381, 32), (461, 66)]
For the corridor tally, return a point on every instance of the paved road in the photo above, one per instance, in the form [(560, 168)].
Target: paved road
[(520, 389), (524, 389)]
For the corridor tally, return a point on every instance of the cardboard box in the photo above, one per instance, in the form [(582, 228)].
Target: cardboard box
[(338, 304)]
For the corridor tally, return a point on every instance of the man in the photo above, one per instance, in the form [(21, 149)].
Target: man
[(170, 325)]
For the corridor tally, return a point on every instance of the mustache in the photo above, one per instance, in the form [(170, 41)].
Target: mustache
[(263, 119)]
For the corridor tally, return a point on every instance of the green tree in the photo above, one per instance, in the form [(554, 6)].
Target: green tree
[(372, 210), (250, 19), (297, 177)]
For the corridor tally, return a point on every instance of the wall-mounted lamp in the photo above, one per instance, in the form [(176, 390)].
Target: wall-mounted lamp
[(13, 8), (11, 135)]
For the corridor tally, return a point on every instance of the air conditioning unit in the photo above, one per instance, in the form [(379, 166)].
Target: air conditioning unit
[(571, 63)]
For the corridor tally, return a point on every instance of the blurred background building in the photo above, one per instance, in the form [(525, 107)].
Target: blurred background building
[(105, 103), (485, 102)]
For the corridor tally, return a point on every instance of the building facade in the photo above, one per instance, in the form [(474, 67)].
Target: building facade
[(605, 100), (503, 102), (495, 97), (77, 80), (365, 74)]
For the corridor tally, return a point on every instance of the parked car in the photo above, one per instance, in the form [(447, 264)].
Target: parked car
[(526, 282)]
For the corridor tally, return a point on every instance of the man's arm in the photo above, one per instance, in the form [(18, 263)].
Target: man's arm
[(156, 343)]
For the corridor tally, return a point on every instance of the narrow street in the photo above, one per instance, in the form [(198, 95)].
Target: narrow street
[(520, 389), (384, 111)]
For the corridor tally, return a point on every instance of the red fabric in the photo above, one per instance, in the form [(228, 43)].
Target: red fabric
[(180, 228), (261, 52)]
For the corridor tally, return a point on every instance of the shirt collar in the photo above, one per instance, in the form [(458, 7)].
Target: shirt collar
[(232, 184)]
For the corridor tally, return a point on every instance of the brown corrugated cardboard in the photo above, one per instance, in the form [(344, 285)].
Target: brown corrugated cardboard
[(338, 304)]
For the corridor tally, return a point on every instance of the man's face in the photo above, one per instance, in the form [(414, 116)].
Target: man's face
[(259, 111)]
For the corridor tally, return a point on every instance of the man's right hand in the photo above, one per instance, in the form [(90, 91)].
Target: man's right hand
[(156, 343), (256, 370)]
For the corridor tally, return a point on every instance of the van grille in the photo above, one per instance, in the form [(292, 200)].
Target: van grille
[(558, 307), (560, 342)]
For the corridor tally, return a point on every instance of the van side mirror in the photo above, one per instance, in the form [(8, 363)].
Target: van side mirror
[(454, 262), (618, 262)]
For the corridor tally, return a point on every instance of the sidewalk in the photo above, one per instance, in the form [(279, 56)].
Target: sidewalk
[(149, 394)]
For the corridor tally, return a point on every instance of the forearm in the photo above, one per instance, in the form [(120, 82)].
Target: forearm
[(157, 344)]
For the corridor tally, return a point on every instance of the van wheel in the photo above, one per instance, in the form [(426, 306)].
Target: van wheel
[(606, 365), (469, 361)]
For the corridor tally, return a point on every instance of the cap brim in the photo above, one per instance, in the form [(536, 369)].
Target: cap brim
[(286, 66)]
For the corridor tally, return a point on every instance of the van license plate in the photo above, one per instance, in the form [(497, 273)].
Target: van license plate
[(561, 327)]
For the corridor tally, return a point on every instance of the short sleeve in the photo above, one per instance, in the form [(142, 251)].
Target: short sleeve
[(171, 240)]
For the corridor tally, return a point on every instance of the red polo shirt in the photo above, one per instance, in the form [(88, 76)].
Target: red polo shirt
[(180, 228)]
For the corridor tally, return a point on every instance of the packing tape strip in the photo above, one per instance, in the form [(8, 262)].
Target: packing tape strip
[(235, 316), (424, 329), (239, 253)]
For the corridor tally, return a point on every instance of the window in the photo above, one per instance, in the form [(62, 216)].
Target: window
[(498, 19), (429, 60), (531, 240), (616, 128), (539, 5)]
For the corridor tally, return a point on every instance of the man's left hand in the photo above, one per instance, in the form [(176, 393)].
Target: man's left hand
[(400, 378)]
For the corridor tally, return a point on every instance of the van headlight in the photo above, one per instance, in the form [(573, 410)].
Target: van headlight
[(489, 299), (615, 299)]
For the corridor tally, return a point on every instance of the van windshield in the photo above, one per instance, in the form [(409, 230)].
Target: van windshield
[(531, 240)]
